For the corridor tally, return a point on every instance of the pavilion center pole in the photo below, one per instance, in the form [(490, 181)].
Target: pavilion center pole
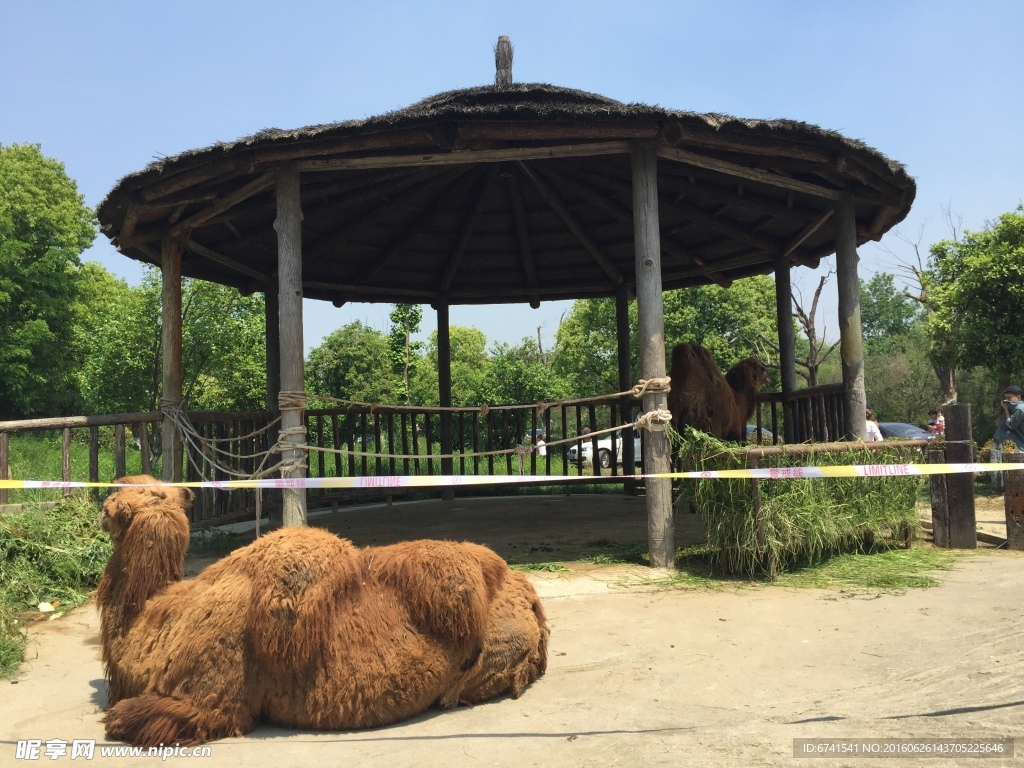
[(851, 339), (292, 397), (273, 333), (647, 244), (170, 311), (787, 345), (625, 382), (444, 391)]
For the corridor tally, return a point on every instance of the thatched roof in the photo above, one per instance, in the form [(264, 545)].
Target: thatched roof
[(488, 195)]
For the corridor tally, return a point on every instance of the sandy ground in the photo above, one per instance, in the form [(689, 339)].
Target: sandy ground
[(641, 675)]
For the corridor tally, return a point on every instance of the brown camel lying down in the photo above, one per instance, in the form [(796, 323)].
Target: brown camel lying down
[(300, 628), (704, 399)]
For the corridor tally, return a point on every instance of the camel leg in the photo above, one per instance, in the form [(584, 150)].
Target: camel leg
[(150, 720)]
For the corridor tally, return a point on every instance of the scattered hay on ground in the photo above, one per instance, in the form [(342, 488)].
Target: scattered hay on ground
[(52, 555)]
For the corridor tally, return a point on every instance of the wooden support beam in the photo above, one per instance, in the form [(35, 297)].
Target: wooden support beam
[(131, 217), (461, 157), (734, 231), (244, 192), (387, 198), (226, 261), (272, 325), (623, 355), (647, 234), (674, 133), (193, 176), (511, 130), (466, 231), (444, 392), (789, 248), (363, 143), (574, 226), (523, 235), (787, 344), (383, 293), (743, 172), (288, 225), (407, 235), (170, 329), (851, 338)]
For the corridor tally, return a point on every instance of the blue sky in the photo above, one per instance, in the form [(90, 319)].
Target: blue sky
[(106, 87)]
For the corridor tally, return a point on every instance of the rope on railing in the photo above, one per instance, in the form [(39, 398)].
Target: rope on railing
[(645, 386)]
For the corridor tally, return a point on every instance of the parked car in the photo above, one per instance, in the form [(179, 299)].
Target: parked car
[(582, 453), (767, 436), (901, 431)]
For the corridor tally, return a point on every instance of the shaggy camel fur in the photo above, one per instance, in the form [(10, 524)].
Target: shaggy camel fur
[(300, 628), (704, 399)]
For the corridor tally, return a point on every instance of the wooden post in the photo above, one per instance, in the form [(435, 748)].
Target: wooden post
[(851, 338), (647, 247), (65, 458), (273, 332), (120, 466), (444, 391), (5, 470), (960, 487), (787, 345), (170, 308), (940, 505), (288, 225), (503, 62), (1013, 481), (625, 382)]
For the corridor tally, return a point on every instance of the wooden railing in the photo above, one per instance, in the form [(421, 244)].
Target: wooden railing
[(818, 414), (412, 435)]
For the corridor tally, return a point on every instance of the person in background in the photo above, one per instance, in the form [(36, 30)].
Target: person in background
[(936, 422), (871, 431), (1011, 427)]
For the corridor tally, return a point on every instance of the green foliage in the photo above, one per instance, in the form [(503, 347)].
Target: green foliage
[(44, 227), (469, 369), (520, 374), (886, 313), (901, 385), (728, 321), (118, 331), (55, 555), (353, 363), (800, 520), (402, 350), (977, 291)]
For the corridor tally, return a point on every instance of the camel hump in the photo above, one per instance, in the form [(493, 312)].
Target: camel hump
[(447, 586), (300, 577)]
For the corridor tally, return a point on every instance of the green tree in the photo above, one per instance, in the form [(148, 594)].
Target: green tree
[(519, 374), (403, 351), (469, 369), (353, 363), (44, 227), (118, 330), (728, 321), (886, 312), (977, 292)]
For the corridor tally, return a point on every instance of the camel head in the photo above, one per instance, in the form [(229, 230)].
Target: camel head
[(145, 503), (747, 376)]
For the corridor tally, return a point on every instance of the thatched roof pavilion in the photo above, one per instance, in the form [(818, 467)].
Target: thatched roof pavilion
[(486, 196), (510, 193)]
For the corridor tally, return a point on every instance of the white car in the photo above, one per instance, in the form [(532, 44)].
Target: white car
[(585, 448)]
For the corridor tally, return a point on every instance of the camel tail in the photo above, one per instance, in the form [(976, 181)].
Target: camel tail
[(152, 721)]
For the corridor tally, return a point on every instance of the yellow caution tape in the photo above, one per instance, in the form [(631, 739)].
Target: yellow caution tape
[(385, 482)]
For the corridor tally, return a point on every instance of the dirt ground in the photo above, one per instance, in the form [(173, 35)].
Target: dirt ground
[(637, 674)]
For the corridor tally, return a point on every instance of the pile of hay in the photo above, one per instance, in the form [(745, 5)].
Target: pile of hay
[(799, 521), (52, 556)]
